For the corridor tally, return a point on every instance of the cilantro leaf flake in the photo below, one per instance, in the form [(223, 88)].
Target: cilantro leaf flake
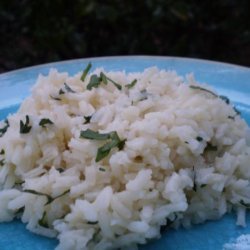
[(86, 71), (44, 122), (24, 127)]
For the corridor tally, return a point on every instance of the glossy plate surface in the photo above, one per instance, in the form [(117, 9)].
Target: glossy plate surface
[(230, 80)]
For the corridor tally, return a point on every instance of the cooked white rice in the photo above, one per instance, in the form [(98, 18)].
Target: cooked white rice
[(185, 159)]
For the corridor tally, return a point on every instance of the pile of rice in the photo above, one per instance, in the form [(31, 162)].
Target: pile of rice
[(185, 159)]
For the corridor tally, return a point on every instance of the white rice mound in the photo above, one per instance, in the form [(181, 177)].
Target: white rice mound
[(185, 159)]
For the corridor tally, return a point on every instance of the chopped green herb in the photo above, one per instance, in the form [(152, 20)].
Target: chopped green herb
[(24, 127), (118, 86), (86, 71), (225, 99), (2, 162), (222, 97), (102, 169), (103, 151), (49, 198), (186, 142), (203, 89), (210, 147), (61, 92), (87, 119), (2, 152), (144, 95), (68, 89), (198, 138), (94, 82), (231, 117), (19, 182), (55, 98), (195, 187), (44, 122), (38, 193), (93, 135), (20, 210), (168, 224), (194, 177), (246, 205), (5, 128), (43, 221), (132, 84), (203, 185), (60, 170), (103, 78), (59, 196), (236, 111), (92, 222)]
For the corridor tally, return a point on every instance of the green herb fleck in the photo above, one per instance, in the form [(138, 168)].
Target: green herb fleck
[(92, 222), (20, 210), (144, 95), (55, 98), (93, 135), (225, 99), (236, 111), (203, 89), (2, 152), (231, 117), (43, 221), (102, 169), (103, 151), (211, 147), (103, 78), (132, 84), (86, 71), (118, 86), (222, 97), (60, 170), (19, 182), (195, 187), (5, 128), (94, 82), (203, 185), (87, 119), (24, 127), (115, 141), (49, 198), (194, 179), (168, 224), (199, 138), (61, 92), (44, 122), (186, 142), (246, 205), (2, 162), (68, 89)]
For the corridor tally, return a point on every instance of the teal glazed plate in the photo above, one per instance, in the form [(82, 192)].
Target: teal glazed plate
[(230, 80)]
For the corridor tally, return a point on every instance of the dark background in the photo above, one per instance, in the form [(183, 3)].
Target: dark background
[(36, 31)]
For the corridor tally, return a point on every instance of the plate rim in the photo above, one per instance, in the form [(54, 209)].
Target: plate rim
[(103, 58)]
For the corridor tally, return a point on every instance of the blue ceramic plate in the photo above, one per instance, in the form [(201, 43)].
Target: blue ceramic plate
[(230, 80)]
